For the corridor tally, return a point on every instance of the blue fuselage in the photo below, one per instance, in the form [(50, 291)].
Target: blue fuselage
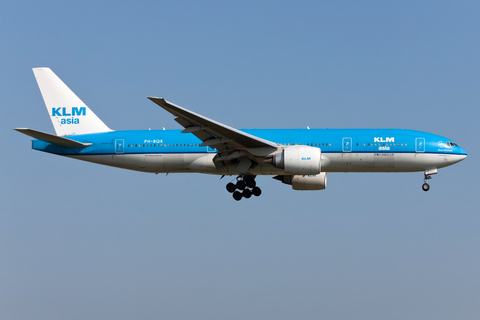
[(329, 140), (359, 150)]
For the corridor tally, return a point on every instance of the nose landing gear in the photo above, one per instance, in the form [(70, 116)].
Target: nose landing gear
[(427, 176), (247, 185)]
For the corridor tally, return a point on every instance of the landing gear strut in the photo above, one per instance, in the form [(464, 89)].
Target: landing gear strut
[(247, 185)]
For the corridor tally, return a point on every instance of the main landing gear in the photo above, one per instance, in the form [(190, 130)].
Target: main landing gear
[(247, 185)]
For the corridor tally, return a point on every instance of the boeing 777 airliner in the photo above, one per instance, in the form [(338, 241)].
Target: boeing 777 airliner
[(297, 157)]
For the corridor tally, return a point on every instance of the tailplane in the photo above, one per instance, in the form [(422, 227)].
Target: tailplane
[(68, 113)]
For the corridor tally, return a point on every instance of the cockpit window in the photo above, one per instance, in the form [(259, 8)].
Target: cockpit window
[(452, 144)]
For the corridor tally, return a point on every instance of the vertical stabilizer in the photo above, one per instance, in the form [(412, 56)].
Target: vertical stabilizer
[(68, 113)]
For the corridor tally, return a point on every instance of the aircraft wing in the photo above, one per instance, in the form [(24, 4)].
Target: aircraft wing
[(213, 134)]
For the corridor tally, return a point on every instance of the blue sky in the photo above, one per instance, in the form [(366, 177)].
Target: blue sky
[(79, 240)]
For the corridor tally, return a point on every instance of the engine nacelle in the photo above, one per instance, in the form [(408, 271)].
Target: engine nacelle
[(310, 182), (298, 160)]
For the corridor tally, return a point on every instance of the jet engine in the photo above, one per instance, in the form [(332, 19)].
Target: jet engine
[(297, 160), (310, 182)]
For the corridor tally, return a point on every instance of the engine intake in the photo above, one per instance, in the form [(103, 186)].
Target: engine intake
[(297, 160)]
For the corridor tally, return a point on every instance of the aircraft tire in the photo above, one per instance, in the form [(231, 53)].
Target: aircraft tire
[(257, 191), (240, 184), (247, 193), (237, 196), (425, 187), (231, 187), (250, 182)]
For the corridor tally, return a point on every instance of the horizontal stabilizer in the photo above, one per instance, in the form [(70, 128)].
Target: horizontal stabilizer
[(50, 138)]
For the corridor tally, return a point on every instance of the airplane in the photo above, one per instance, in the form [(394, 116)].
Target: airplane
[(301, 158)]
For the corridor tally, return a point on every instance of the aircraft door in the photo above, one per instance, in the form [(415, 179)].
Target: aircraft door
[(119, 144), (420, 144), (347, 144)]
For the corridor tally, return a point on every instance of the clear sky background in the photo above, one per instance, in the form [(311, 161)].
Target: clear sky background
[(84, 241)]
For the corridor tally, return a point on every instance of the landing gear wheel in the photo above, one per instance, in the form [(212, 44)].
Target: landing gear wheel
[(231, 187), (250, 182), (256, 191), (237, 196), (244, 187), (247, 193), (240, 184), (426, 187)]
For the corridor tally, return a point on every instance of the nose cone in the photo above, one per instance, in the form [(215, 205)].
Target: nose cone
[(462, 154)]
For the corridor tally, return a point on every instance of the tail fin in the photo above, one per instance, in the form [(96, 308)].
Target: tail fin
[(68, 113)]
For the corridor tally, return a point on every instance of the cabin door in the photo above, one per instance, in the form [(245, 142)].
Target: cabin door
[(119, 144), (420, 144), (347, 144)]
